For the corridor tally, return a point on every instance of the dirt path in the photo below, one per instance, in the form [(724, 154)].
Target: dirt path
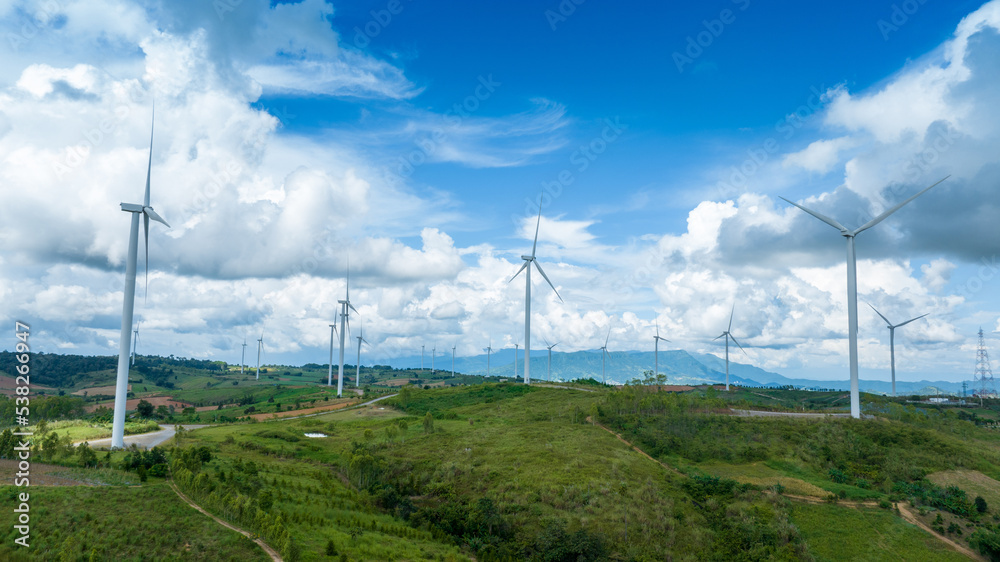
[(904, 510), (267, 416), (270, 551)]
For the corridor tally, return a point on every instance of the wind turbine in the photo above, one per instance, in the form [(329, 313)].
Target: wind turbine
[(656, 346), (549, 375), (515, 360), (243, 358), (728, 337), (260, 347), (604, 352), (528, 260), (329, 375), (433, 353), (135, 346), (892, 348), (489, 350), (852, 286), (345, 308), (421, 358), (453, 360), (128, 306), (357, 376)]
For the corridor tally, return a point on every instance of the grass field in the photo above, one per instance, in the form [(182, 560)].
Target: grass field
[(974, 483), (840, 533), (119, 523), (761, 475)]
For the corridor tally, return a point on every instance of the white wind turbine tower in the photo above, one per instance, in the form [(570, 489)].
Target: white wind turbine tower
[(357, 376), (128, 306), (329, 375), (135, 345), (489, 350), (892, 348), (421, 358), (345, 308), (433, 353), (260, 347), (852, 286), (243, 358), (453, 360), (656, 352), (548, 377), (604, 353), (528, 260), (728, 337), (516, 345)]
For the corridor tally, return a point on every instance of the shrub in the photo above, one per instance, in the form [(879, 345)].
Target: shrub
[(980, 504)]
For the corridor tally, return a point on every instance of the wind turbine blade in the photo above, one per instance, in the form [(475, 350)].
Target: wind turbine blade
[(880, 314), (519, 271), (738, 344), (607, 339), (351, 306), (540, 270), (731, 313), (151, 214), (555, 344), (149, 166), (719, 336), (911, 320), (884, 215), (537, 224), (657, 322), (823, 218)]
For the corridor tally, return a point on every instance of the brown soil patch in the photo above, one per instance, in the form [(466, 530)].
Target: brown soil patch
[(98, 390), (134, 402), (302, 412), (9, 384), (39, 474)]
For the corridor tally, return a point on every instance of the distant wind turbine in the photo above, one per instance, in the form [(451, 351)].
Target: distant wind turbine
[(549, 375), (329, 374), (345, 308), (852, 286), (243, 357), (421, 358), (728, 337), (453, 361), (656, 352), (515, 360), (360, 337), (892, 336), (433, 353), (128, 306), (260, 347), (489, 350), (135, 346), (604, 352), (528, 260)]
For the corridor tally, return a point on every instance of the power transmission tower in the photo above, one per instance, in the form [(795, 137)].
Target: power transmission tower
[(982, 379)]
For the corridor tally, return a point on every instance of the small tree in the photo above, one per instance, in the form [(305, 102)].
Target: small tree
[(87, 455), (331, 549), (144, 408), (981, 506), (428, 423)]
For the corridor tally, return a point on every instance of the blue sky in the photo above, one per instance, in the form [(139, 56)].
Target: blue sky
[(290, 135)]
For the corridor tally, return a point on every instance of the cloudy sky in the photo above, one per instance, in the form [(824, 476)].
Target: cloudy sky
[(415, 139)]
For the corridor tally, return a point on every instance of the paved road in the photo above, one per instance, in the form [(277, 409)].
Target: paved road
[(143, 440)]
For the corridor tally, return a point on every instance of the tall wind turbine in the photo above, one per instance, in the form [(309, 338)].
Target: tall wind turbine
[(728, 337), (357, 376), (128, 306), (260, 347), (329, 374), (604, 352), (453, 360), (656, 353), (852, 286), (515, 360), (528, 260), (243, 358), (135, 345), (433, 353), (345, 308), (892, 335), (548, 377)]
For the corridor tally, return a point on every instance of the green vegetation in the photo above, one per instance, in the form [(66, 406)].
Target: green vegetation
[(118, 523)]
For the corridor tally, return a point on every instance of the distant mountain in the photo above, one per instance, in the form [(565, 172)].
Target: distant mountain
[(679, 366)]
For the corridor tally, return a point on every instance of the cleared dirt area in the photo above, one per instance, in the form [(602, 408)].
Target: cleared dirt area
[(9, 384), (973, 482), (134, 402), (98, 390), (39, 474), (302, 412)]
